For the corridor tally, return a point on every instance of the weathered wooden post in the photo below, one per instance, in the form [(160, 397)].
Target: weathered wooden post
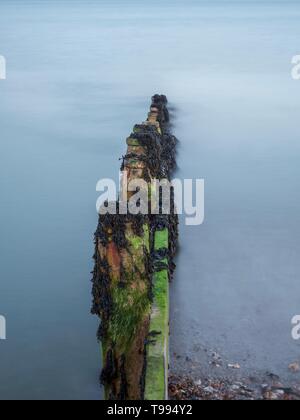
[(133, 265)]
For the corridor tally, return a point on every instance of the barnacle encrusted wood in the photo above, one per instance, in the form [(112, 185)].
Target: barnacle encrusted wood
[(133, 265)]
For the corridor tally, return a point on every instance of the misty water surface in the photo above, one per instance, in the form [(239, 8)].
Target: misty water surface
[(80, 75)]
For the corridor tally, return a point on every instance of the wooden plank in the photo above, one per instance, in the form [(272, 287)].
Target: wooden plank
[(133, 265)]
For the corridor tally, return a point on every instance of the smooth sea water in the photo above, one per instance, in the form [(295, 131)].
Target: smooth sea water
[(80, 74)]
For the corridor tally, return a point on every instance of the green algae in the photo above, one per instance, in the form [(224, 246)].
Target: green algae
[(132, 142), (157, 353), (161, 239), (130, 308), (131, 302)]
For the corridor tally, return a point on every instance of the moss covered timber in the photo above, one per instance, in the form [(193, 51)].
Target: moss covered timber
[(133, 266)]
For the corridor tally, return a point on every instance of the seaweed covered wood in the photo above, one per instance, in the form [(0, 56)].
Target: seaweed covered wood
[(133, 265)]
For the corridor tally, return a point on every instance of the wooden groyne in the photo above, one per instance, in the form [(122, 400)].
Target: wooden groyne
[(133, 266)]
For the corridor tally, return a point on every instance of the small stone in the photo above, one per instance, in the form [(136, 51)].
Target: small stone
[(274, 395), (280, 392), (294, 367), (234, 366), (209, 390), (270, 396)]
